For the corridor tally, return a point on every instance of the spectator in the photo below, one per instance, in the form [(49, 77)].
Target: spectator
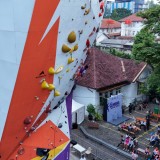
[(83, 157), (142, 123), (130, 146), (158, 129), (122, 141), (152, 140), (130, 127), (134, 155), (155, 153), (147, 122), (130, 108), (147, 152), (126, 143)]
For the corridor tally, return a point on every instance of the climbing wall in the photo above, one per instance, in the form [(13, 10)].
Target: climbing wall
[(43, 44)]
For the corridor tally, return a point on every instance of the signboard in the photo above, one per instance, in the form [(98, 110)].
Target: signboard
[(114, 107)]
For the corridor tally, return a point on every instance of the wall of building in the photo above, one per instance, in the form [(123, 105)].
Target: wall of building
[(132, 29), (127, 5), (86, 96)]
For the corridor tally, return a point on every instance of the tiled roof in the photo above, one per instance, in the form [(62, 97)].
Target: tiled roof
[(106, 70), (126, 37), (132, 18), (110, 23)]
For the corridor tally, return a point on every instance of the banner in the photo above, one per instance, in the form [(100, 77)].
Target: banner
[(114, 107)]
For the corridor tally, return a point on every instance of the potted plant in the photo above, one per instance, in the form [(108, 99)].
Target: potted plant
[(98, 117), (91, 111)]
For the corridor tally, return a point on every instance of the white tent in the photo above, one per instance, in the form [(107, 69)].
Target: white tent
[(78, 112)]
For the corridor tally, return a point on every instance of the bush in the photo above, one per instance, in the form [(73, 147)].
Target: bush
[(98, 116), (91, 109)]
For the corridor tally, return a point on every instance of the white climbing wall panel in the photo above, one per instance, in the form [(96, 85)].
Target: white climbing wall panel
[(32, 98)]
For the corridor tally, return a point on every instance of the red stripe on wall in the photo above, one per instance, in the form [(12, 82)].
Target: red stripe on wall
[(36, 58)]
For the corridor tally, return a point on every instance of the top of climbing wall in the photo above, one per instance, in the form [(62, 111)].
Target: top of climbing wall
[(43, 45)]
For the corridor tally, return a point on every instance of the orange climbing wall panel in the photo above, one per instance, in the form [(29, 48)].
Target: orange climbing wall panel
[(36, 57), (47, 136)]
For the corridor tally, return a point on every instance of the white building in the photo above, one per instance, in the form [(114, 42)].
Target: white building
[(131, 25), (109, 75), (110, 26)]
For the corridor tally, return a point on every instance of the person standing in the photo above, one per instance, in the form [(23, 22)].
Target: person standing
[(83, 157), (147, 122), (130, 108), (122, 141)]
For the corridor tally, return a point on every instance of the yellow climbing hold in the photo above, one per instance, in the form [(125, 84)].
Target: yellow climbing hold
[(65, 48), (83, 7), (72, 37), (56, 93), (51, 87), (58, 70), (75, 47), (72, 49), (44, 85), (68, 70), (51, 70), (70, 60), (87, 11)]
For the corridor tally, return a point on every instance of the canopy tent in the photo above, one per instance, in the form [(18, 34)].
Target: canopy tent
[(78, 112)]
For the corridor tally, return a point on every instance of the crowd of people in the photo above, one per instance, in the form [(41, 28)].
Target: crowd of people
[(128, 143)]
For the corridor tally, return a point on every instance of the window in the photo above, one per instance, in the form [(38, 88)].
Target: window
[(111, 93), (140, 87), (101, 99), (118, 90)]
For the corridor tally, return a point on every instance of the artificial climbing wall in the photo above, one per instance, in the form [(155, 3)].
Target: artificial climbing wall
[(43, 44)]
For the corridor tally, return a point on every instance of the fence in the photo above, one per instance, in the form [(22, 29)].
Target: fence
[(98, 152)]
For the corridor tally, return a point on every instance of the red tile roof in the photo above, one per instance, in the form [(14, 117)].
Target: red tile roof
[(106, 70), (126, 37), (133, 18), (110, 23)]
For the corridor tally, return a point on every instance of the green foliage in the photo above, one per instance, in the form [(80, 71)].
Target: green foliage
[(91, 109), (146, 49), (152, 16), (120, 54), (154, 81), (98, 116), (106, 13), (119, 13)]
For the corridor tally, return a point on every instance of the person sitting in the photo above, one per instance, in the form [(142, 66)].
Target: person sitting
[(124, 125), (152, 140), (147, 152), (134, 155), (135, 128), (155, 152), (122, 141), (156, 157), (126, 143), (143, 123), (158, 129), (130, 127), (131, 145)]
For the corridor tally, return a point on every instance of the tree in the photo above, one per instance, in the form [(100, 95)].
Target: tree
[(107, 13), (146, 48), (120, 13), (151, 4), (152, 16)]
